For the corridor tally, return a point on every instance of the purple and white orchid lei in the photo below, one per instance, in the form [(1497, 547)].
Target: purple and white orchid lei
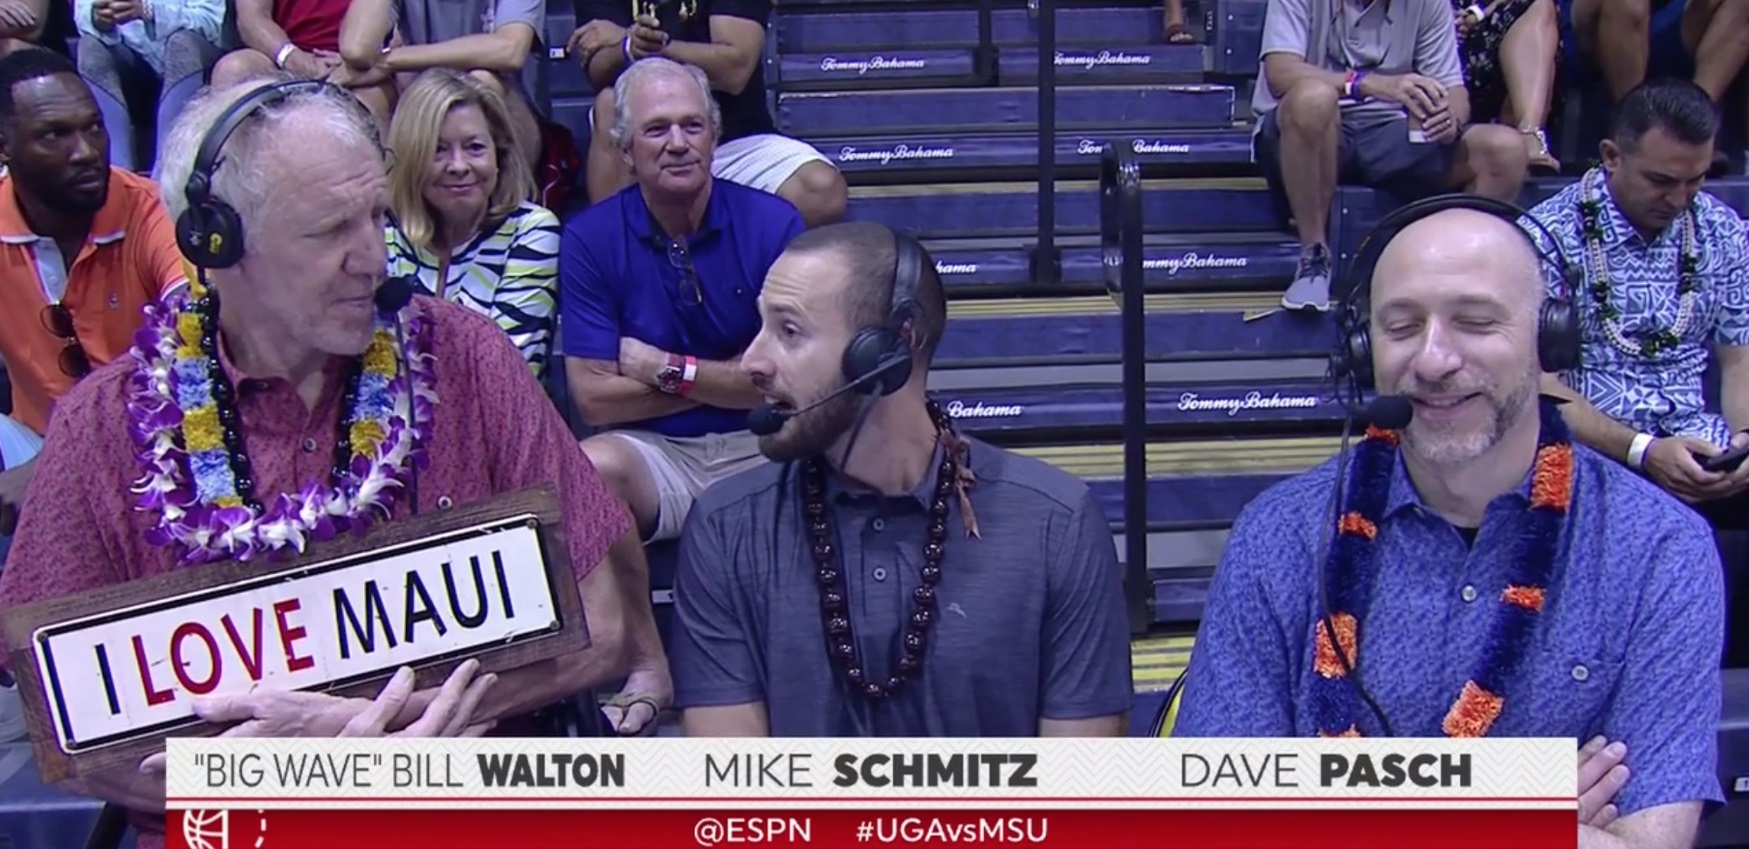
[(163, 391)]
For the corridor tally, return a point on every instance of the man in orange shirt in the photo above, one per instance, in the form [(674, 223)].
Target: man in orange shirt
[(83, 246)]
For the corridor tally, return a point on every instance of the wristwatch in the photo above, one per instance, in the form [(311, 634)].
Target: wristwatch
[(677, 377)]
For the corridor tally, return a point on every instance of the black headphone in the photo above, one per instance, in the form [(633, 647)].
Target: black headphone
[(210, 230), (1558, 339), (887, 349)]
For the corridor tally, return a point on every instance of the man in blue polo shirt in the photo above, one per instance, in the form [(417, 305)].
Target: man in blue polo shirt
[(660, 286), (1491, 576)]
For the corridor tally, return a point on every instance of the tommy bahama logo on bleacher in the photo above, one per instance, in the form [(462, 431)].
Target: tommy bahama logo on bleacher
[(872, 63), (1103, 57), (1190, 401), (898, 151), (979, 410), (1094, 147), (955, 267), (1193, 260)]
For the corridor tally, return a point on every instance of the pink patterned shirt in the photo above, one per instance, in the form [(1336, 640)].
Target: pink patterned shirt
[(494, 431)]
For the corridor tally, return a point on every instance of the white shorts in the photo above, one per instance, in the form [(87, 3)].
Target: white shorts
[(682, 466), (763, 162)]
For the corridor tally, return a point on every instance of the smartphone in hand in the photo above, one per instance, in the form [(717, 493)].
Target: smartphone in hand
[(1726, 462)]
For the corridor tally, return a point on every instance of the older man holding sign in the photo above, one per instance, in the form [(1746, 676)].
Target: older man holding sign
[(150, 591)]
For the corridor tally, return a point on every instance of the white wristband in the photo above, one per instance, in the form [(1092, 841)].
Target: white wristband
[(285, 52), (1637, 450)]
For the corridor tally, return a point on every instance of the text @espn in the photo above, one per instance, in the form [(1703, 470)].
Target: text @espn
[(896, 829)]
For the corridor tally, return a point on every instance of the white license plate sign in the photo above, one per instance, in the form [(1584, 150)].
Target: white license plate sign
[(135, 671)]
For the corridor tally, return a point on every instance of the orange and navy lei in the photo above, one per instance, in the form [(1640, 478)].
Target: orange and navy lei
[(1336, 705)]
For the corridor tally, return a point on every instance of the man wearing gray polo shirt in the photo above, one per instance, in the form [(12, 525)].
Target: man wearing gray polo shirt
[(1368, 92), (893, 578), (387, 42)]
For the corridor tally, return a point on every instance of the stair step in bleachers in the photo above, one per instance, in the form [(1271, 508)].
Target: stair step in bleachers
[(1192, 485), (1091, 65), (888, 68), (1156, 660), (947, 156), (801, 29), (974, 268), (1007, 414), (948, 66), (1011, 209), (817, 115), (1079, 330), (34, 815), (1358, 208)]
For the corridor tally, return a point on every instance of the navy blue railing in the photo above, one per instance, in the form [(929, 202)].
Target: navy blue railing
[(1120, 236)]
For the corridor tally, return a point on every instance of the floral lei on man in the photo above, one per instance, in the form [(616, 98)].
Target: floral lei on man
[(1336, 704), (184, 422), (1649, 342)]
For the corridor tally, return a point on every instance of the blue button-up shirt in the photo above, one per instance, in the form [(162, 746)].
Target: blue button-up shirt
[(1661, 393), (1627, 646), (620, 275)]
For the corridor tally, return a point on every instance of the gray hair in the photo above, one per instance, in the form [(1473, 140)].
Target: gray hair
[(656, 66), (239, 179)]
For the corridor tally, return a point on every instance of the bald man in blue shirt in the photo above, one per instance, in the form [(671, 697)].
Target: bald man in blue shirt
[(1491, 577)]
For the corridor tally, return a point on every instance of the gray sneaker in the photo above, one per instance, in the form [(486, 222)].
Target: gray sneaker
[(11, 715), (1311, 287)]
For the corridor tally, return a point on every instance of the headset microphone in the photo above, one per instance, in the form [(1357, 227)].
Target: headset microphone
[(1389, 412), (768, 419), (393, 294)]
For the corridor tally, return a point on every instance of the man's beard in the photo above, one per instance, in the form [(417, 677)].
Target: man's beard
[(61, 201), (812, 432), (1450, 446)]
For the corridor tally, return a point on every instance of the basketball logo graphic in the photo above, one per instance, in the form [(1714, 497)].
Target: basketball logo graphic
[(212, 830)]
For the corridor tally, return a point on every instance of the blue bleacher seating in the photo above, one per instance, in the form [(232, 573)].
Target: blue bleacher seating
[(1008, 209), (34, 816)]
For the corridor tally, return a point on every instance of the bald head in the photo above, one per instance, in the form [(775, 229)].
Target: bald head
[(1489, 253), (1455, 304)]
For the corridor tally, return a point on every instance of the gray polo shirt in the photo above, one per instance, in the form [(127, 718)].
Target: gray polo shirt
[(1385, 37), (435, 21), (1030, 619)]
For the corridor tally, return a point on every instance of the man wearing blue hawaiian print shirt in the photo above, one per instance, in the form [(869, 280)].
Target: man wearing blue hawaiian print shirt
[(1467, 601), (1665, 289)]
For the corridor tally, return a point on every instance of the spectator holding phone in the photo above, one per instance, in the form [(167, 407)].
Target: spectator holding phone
[(1665, 291), (726, 39), (1663, 296)]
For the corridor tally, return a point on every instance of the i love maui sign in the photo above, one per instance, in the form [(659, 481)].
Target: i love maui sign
[(107, 676)]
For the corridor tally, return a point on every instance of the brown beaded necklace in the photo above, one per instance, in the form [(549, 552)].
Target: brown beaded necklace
[(951, 476)]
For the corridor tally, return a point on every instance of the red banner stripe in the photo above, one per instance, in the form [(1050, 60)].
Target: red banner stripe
[(775, 828)]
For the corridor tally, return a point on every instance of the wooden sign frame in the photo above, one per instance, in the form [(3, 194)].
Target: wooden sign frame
[(537, 507)]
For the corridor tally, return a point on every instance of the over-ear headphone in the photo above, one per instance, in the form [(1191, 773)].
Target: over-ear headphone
[(210, 230), (1558, 340), (888, 348)]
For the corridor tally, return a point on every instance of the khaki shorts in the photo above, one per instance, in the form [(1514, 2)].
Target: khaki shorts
[(682, 466)]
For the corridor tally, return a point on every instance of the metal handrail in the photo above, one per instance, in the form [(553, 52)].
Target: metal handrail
[(1120, 237), (1046, 263)]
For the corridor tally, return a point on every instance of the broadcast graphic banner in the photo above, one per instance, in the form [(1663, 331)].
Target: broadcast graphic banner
[(863, 794), (529, 773)]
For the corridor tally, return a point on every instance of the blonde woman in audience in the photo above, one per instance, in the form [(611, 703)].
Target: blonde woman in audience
[(461, 219)]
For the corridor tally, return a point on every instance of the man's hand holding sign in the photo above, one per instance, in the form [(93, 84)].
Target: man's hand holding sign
[(257, 650)]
